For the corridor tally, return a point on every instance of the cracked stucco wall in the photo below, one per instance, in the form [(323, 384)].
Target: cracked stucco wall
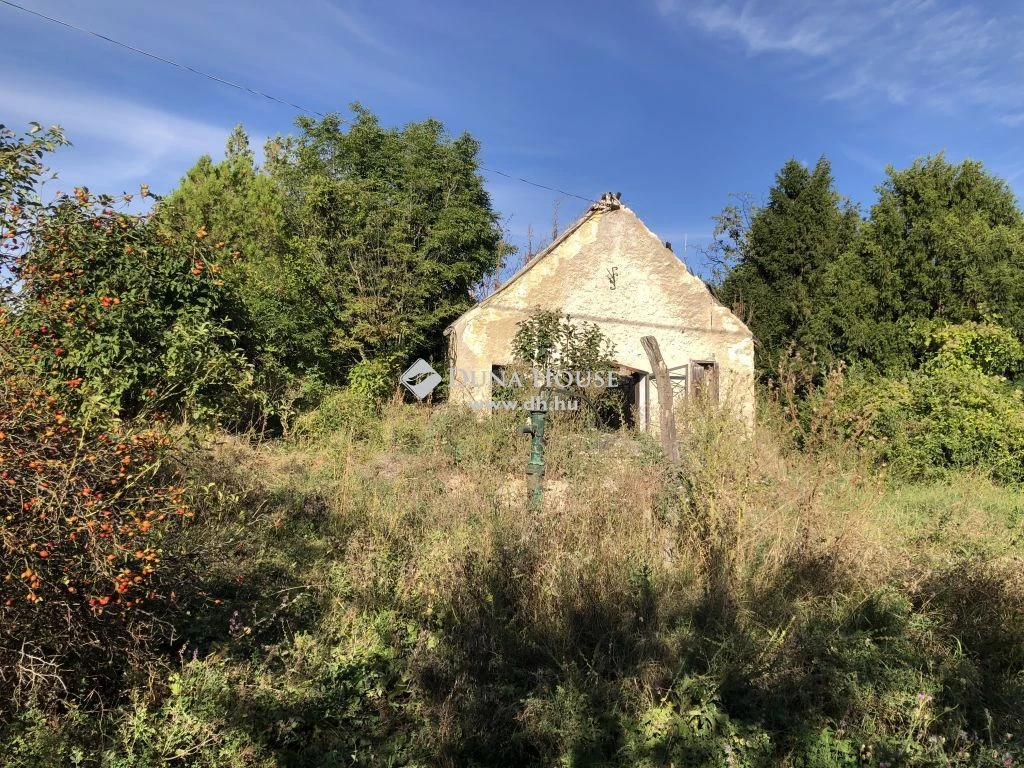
[(653, 294)]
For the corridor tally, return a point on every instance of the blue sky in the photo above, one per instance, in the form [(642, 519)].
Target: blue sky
[(675, 103)]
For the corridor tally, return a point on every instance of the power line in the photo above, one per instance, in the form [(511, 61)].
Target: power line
[(244, 88), (133, 49), (532, 183)]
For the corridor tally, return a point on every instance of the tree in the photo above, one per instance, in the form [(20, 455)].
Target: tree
[(391, 230), (780, 259), (243, 208), (944, 242), (349, 250)]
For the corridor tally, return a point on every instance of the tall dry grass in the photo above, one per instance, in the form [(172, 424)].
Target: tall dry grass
[(380, 588), (632, 570)]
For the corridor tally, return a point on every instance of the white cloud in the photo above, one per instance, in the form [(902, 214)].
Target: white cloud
[(909, 52), (332, 54), (118, 142), (806, 36), (356, 28), (323, 57)]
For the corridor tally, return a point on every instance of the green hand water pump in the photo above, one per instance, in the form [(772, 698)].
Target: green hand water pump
[(535, 467)]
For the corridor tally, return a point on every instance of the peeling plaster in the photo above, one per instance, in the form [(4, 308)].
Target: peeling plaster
[(654, 294)]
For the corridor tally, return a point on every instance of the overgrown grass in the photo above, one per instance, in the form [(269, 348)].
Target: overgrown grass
[(377, 592)]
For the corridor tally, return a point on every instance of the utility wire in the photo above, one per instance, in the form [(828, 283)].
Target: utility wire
[(133, 49), (531, 183), (245, 88)]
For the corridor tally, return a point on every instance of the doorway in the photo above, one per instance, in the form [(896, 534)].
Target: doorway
[(704, 381)]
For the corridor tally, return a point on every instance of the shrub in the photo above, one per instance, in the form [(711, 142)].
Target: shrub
[(950, 417), (21, 169), (957, 411), (549, 338), (88, 576), (986, 347), (373, 380), (345, 409), (553, 341), (136, 312)]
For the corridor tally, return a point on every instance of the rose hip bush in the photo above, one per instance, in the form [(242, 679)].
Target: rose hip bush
[(135, 313), (128, 306), (111, 330), (87, 566)]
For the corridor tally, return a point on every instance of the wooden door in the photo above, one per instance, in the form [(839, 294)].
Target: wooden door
[(704, 381)]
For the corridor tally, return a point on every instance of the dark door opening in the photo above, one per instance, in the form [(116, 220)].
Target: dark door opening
[(619, 406)]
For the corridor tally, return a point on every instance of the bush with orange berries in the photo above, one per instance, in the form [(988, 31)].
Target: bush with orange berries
[(88, 570), (131, 312)]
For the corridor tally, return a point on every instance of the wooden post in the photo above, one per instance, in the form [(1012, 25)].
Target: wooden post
[(666, 418)]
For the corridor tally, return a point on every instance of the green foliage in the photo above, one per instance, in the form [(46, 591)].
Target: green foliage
[(553, 341), (392, 229), (782, 255), (944, 242), (375, 594), (909, 294), (951, 417), (21, 171), (350, 251), (21, 165), (957, 411), (133, 313), (689, 726), (343, 410), (373, 380), (242, 209), (987, 347), (247, 290)]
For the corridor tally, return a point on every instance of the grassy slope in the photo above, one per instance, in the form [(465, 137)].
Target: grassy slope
[(380, 594)]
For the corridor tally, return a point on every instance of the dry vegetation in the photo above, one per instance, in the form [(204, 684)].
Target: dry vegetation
[(379, 593)]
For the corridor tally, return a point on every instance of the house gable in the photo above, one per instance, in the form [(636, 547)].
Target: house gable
[(610, 269)]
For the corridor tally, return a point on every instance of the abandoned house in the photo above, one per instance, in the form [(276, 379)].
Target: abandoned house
[(609, 269)]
